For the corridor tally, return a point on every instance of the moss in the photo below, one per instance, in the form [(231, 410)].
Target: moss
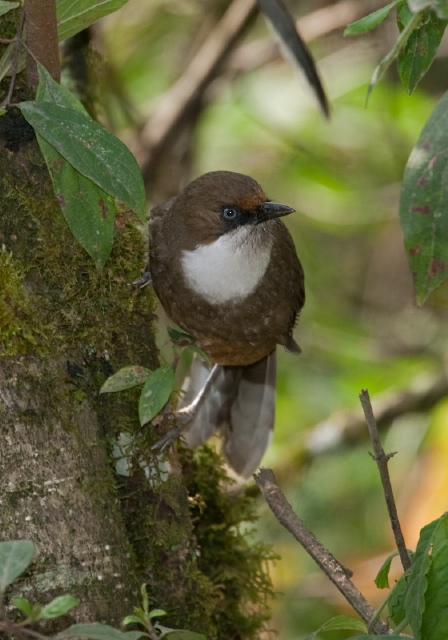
[(235, 565), (20, 327)]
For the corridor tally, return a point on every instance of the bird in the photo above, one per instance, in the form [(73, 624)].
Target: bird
[(224, 268)]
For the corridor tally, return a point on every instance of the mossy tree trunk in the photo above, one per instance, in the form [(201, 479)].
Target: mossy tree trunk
[(64, 329)]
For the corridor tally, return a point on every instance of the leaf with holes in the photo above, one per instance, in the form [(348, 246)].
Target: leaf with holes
[(155, 393), (424, 204)]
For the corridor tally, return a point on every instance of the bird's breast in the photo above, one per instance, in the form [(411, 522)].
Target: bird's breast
[(230, 268)]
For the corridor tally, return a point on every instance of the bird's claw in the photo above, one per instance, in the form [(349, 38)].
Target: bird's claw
[(143, 280), (183, 419)]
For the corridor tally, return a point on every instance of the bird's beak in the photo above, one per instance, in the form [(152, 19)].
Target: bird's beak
[(269, 210)]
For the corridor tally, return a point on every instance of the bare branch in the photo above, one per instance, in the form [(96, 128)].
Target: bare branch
[(348, 427), (381, 460), (323, 558)]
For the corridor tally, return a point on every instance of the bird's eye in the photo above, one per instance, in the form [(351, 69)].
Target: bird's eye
[(229, 213)]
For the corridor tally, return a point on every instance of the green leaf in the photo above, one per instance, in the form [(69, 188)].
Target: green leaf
[(363, 637), (179, 337), (424, 204), (50, 91), (339, 622), (7, 6), (393, 53), (372, 20), (90, 149), (155, 393), (15, 557), (132, 620), (417, 55), (183, 634), (88, 210), (396, 599), (435, 614), (145, 598), (414, 603), (97, 631), (58, 607), (75, 15), (23, 604), (156, 613), (382, 578), (125, 378), (6, 60)]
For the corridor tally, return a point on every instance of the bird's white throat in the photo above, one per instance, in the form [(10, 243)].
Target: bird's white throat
[(231, 267)]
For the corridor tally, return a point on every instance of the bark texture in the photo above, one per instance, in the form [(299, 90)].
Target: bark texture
[(64, 328)]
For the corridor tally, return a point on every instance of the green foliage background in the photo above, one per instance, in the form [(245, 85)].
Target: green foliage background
[(360, 327)]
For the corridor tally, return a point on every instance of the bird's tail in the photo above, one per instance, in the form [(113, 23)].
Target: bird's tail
[(241, 404)]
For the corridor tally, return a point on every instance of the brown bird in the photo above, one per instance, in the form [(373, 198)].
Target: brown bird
[(225, 269)]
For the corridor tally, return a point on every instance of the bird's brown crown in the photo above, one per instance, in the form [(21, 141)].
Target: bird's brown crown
[(202, 200)]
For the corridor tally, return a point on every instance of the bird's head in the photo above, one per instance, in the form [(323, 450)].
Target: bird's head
[(220, 202)]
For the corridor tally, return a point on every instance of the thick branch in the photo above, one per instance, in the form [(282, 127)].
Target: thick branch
[(381, 460), (42, 39), (323, 558)]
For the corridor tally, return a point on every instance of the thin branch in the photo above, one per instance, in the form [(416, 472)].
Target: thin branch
[(203, 68), (323, 558), (382, 460), (348, 427), (42, 39), (184, 416)]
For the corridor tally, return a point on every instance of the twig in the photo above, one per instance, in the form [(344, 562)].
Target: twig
[(348, 428), (323, 558), (381, 460), (185, 415)]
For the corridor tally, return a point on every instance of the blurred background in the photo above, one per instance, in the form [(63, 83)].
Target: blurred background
[(360, 327)]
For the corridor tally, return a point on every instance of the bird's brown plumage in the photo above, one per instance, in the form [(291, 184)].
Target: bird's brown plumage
[(241, 331), (239, 316)]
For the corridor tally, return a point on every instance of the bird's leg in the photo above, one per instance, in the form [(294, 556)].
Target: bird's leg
[(184, 416)]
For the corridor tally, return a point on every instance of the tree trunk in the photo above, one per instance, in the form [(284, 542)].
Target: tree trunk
[(64, 329)]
